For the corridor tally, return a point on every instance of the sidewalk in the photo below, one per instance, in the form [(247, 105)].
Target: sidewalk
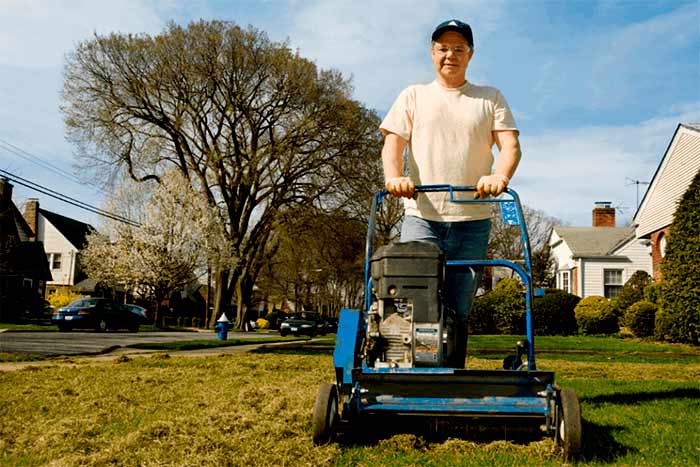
[(127, 353)]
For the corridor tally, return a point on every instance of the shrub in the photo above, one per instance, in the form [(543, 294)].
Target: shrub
[(62, 297), (663, 323), (681, 269), (639, 318), (553, 314), (594, 315), (632, 292), (509, 307), (261, 323), (481, 315), (654, 291), (501, 311)]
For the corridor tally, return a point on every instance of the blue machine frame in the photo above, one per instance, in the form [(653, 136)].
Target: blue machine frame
[(524, 393)]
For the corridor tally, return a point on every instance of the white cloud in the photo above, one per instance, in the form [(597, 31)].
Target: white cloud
[(383, 45), (38, 33), (563, 172)]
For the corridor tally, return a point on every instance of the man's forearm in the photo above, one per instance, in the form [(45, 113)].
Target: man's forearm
[(508, 160), (392, 156)]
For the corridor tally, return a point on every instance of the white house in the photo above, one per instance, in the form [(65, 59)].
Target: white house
[(675, 172), (63, 239), (598, 260)]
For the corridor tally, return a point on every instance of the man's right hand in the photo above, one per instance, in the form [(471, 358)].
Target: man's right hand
[(400, 187)]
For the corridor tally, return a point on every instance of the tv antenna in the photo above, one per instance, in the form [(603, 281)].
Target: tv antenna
[(630, 182)]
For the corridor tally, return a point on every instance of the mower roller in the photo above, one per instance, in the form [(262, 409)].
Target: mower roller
[(392, 357)]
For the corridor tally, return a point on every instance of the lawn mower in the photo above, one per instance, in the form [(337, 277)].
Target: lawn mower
[(391, 356)]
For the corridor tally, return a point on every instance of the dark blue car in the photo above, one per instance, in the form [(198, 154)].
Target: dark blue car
[(100, 314)]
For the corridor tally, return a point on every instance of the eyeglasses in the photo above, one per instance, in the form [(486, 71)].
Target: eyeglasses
[(459, 50)]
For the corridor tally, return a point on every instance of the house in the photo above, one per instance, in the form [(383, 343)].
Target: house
[(23, 268), (597, 260), (673, 176), (63, 239)]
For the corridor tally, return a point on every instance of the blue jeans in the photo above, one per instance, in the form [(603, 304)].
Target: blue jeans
[(457, 240)]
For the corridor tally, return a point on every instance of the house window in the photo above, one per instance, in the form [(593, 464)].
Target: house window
[(54, 260), (566, 281), (27, 283), (662, 244), (612, 282)]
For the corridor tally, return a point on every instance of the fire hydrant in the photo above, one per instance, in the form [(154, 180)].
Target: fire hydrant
[(221, 327)]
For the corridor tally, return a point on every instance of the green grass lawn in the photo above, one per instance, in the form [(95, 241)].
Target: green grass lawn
[(254, 409)]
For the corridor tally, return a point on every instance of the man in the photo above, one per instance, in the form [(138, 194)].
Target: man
[(449, 127)]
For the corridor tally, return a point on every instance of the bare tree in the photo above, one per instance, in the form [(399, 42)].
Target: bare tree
[(505, 241), (252, 126)]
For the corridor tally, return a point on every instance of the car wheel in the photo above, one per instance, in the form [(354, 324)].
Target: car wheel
[(64, 328), (134, 328), (569, 424), (325, 414), (283, 333)]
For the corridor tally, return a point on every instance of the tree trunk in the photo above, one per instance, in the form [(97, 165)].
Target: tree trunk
[(222, 295)]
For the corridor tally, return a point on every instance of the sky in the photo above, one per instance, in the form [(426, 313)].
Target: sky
[(597, 87)]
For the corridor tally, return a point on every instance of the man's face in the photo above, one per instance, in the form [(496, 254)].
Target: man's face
[(451, 55)]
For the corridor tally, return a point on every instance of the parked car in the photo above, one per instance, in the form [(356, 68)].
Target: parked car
[(332, 325), (100, 314), (308, 323), (143, 314)]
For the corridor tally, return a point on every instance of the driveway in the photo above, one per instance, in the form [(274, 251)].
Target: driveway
[(81, 343)]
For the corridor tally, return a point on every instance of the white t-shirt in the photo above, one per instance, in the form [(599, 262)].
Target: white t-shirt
[(449, 142)]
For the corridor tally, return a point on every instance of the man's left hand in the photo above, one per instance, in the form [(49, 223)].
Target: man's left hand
[(492, 185)]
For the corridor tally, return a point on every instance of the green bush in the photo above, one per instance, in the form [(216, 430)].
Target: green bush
[(594, 315), (654, 291), (501, 311), (681, 270), (632, 292), (639, 318), (553, 314), (481, 315)]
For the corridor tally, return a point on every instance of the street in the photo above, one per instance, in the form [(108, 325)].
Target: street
[(90, 342)]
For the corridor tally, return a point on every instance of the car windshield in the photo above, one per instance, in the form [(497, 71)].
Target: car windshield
[(83, 303)]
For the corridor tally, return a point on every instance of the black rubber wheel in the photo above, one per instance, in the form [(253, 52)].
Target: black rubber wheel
[(283, 333), (64, 328), (569, 424), (325, 414), (134, 328)]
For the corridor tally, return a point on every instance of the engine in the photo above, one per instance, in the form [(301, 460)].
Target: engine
[(407, 323)]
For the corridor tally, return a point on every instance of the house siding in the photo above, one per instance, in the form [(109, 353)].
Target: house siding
[(593, 275), (679, 166), (55, 242)]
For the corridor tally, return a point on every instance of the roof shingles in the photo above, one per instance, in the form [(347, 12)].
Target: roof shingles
[(594, 241)]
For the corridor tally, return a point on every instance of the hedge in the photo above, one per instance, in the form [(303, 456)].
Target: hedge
[(681, 270), (595, 315)]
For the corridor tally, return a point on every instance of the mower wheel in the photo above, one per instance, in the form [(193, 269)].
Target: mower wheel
[(325, 414), (569, 428)]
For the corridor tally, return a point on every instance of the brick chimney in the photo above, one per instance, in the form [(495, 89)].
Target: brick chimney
[(603, 214), (31, 214), (5, 194)]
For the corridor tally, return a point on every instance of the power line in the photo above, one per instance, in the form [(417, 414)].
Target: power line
[(44, 164), (67, 199)]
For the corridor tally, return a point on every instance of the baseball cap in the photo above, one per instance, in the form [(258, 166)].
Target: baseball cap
[(455, 25)]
